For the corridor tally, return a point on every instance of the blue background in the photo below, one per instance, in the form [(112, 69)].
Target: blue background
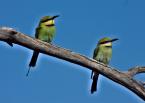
[(81, 24)]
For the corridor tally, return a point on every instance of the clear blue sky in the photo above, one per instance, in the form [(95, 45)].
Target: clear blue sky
[(81, 24)]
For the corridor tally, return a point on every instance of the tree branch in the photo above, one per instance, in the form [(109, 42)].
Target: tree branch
[(124, 78), (136, 70)]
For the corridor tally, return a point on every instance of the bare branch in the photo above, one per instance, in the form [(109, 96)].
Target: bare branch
[(136, 70), (123, 78), (143, 83)]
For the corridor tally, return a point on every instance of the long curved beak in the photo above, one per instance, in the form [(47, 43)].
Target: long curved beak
[(115, 39), (55, 16)]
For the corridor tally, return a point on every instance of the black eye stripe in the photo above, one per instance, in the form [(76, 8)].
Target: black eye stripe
[(109, 41), (50, 18), (105, 42), (46, 20)]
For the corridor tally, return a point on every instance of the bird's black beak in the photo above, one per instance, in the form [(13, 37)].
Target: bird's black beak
[(55, 16), (114, 40)]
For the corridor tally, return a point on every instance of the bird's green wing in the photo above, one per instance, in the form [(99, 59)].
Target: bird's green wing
[(37, 32), (95, 52)]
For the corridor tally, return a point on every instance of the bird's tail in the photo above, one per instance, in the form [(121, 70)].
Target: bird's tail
[(94, 83), (33, 61), (11, 44), (92, 74)]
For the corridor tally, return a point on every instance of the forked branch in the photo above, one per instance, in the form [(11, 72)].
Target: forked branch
[(136, 70)]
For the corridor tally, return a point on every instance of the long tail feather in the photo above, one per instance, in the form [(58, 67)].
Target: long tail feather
[(11, 44), (91, 74), (94, 83), (28, 72), (33, 61)]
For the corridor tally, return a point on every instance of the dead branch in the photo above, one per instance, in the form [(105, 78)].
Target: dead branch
[(124, 78), (136, 70)]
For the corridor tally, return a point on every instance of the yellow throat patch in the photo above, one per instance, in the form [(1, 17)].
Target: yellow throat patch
[(49, 22)]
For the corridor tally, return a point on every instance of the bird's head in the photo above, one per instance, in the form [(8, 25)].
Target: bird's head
[(48, 20), (106, 42)]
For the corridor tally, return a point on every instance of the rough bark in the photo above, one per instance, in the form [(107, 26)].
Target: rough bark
[(124, 78)]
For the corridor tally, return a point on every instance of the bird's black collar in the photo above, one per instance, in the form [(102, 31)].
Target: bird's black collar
[(50, 25)]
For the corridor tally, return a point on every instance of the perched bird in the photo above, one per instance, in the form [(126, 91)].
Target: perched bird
[(102, 53), (45, 32)]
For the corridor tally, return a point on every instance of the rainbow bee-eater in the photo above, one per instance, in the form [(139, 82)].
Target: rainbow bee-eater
[(102, 53), (45, 32)]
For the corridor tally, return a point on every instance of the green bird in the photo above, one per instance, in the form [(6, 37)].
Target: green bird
[(45, 32), (102, 53)]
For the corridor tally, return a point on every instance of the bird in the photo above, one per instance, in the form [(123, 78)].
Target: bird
[(45, 31), (102, 53)]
